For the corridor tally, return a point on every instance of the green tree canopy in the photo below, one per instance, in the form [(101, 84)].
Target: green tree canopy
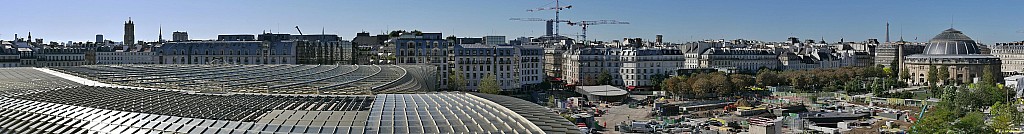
[(701, 87), (456, 80), (723, 85), (489, 84), (1005, 116), (904, 75), (973, 122), (657, 79), (742, 80), (990, 75), (671, 85), (604, 78), (767, 77), (932, 72), (943, 74)]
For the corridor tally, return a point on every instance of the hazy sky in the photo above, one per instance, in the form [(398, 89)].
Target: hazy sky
[(679, 20)]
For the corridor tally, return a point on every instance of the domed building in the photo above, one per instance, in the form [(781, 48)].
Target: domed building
[(961, 56)]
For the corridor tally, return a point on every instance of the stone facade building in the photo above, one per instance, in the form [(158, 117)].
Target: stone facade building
[(1012, 56), (960, 55)]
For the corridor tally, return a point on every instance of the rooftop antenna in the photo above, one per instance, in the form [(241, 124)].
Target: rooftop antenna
[(901, 34), (951, 21)]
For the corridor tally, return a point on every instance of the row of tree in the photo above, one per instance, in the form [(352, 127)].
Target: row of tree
[(489, 84), (707, 84), (850, 79)]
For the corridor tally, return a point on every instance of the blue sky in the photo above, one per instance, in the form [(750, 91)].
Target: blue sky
[(677, 20)]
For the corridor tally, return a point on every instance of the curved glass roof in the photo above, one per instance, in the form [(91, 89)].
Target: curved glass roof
[(35, 100), (951, 42), (274, 79)]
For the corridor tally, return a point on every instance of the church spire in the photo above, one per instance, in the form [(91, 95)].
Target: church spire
[(160, 37)]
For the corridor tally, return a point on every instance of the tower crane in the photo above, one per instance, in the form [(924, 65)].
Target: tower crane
[(587, 23), (558, 9), (535, 19), (550, 22), (297, 29)]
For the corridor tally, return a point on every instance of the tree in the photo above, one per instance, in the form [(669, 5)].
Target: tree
[(813, 82), (767, 77), (723, 85), (700, 87), (798, 82), (853, 86), (545, 84), (990, 75), (889, 72), (456, 80), (683, 86), (604, 78), (904, 75), (937, 119), (973, 122), (671, 85), (742, 80), (943, 74), (551, 101), (895, 65), (877, 87), (931, 75), (1005, 115), (657, 79), (489, 84)]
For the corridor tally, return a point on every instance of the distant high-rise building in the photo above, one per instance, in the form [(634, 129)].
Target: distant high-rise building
[(99, 38), (494, 40), (550, 27), (129, 32), (658, 39), (273, 37), (236, 37), (179, 36)]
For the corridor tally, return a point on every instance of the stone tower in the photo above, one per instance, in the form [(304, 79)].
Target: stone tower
[(129, 32)]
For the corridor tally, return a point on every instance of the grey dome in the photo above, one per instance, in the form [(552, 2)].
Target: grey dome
[(951, 42)]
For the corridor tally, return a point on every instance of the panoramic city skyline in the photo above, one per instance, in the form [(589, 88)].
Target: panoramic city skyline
[(393, 67), (679, 21)]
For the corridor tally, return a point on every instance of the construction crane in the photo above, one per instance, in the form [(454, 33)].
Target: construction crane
[(558, 9), (587, 23), (550, 22), (297, 29)]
